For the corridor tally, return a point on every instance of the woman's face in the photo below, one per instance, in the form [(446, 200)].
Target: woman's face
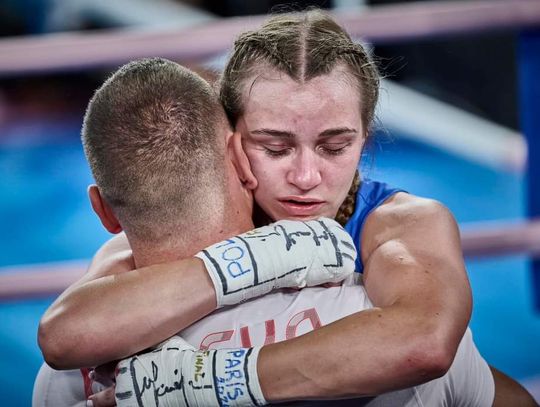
[(303, 142)]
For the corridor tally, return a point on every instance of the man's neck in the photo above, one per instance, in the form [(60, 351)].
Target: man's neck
[(234, 217), (190, 241)]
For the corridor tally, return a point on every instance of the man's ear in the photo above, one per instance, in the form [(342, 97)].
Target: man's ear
[(103, 210), (240, 161)]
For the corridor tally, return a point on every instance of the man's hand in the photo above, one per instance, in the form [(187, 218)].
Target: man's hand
[(284, 254), (104, 398), (103, 385), (176, 374)]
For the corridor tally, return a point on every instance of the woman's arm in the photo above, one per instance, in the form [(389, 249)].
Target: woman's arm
[(91, 322), (414, 274), (414, 270), (110, 313), (114, 316), (411, 338), (414, 263)]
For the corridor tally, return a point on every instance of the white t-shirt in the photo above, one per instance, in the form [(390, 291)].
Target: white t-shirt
[(286, 314)]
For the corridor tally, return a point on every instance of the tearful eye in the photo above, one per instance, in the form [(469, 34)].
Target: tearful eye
[(334, 148), (276, 151)]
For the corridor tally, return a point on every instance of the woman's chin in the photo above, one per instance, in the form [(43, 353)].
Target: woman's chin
[(302, 215)]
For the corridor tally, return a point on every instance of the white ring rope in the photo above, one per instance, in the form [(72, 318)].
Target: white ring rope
[(40, 279), (496, 239), (380, 24), (478, 240)]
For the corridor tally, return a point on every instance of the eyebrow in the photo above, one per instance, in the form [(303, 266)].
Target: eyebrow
[(337, 131), (288, 135), (274, 133)]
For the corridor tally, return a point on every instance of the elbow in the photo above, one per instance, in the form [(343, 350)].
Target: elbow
[(436, 364), (431, 357), (49, 344), (66, 344), (55, 345)]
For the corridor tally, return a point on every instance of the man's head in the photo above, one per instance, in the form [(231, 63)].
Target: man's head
[(155, 136)]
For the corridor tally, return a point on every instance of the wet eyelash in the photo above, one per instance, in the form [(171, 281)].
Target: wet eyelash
[(333, 151), (274, 153)]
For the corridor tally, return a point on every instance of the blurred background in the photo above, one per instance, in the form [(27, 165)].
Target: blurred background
[(451, 128)]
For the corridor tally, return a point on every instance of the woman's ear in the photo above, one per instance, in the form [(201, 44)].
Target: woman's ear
[(240, 161), (103, 210)]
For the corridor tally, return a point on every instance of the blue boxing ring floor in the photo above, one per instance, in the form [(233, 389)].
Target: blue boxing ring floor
[(45, 216)]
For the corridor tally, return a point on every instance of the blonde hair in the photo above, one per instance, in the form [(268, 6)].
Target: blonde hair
[(304, 46)]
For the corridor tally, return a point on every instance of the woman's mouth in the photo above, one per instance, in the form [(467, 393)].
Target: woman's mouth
[(303, 207)]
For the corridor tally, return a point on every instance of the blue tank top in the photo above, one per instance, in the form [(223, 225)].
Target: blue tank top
[(370, 195)]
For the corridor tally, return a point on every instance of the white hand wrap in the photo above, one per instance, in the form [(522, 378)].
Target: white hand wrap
[(283, 254), (178, 375)]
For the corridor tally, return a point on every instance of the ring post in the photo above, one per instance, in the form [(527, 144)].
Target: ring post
[(529, 94)]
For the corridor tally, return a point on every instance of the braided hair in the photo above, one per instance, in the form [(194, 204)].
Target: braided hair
[(347, 207), (303, 46)]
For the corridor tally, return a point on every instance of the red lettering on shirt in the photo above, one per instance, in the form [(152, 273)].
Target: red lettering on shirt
[(216, 337), (309, 314), (245, 338), (270, 327), (290, 331)]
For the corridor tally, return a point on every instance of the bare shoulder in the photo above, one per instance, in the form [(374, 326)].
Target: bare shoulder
[(410, 208), (115, 256), (408, 218)]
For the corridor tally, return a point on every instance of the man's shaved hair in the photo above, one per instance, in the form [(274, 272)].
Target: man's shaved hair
[(153, 135)]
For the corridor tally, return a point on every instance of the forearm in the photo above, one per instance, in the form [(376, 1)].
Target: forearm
[(367, 353), (116, 316), (113, 317), (414, 274), (410, 339), (328, 363)]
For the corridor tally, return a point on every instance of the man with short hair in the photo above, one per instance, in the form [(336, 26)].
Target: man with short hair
[(149, 126), (165, 162)]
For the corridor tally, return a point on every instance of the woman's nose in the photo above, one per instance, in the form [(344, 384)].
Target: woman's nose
[(304, 172)]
